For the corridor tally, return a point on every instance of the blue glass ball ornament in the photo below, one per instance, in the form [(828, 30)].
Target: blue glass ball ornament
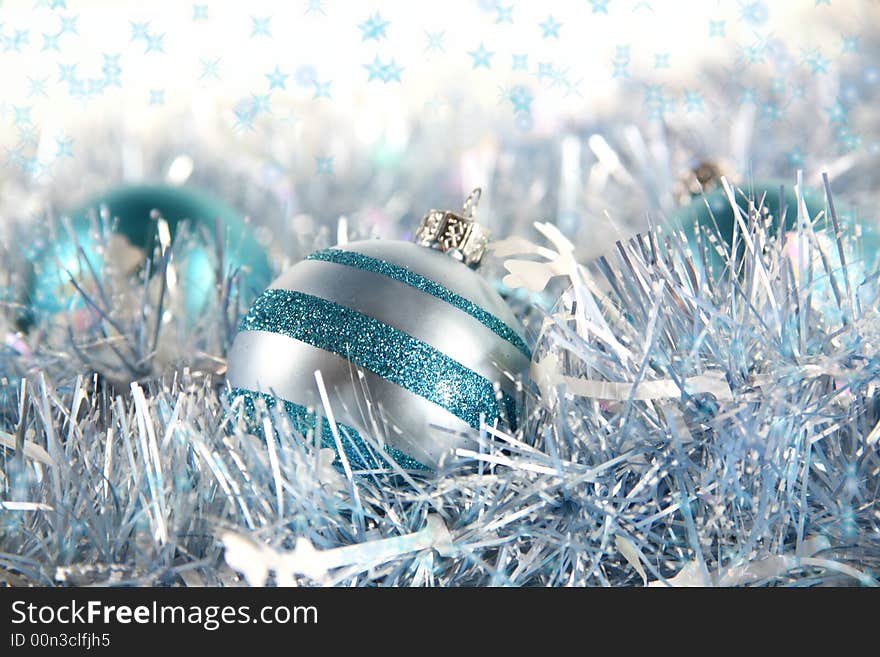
[(779, 200), (779, 208), (414, 348), (132, 210), (860, 236)]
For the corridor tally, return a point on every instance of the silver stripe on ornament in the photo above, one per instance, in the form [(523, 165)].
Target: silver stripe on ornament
[(285, 367), (436, 266), (423, 316)]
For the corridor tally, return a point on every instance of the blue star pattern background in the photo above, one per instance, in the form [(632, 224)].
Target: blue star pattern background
[(301, 67)]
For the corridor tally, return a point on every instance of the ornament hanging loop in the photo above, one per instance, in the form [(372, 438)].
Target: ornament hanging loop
[(457, 235), (469, 209)]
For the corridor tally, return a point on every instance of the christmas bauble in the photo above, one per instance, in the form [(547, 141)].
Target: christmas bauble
[(135, 209), (776, 197), (415, 349)]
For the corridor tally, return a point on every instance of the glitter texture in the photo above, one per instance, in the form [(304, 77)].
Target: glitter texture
[(359, 454), (404, 275), (382, 349)]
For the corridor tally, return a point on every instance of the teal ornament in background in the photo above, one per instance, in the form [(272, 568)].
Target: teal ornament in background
[(415, 350), (133, 210), (861, 238), (705, 205), (712, 208), (780, 211)]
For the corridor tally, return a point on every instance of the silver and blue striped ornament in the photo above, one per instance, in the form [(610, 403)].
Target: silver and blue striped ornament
[(415, 350)]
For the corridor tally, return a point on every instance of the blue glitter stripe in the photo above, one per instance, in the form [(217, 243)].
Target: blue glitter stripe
[(360, 455), (382, 349), (404, 275)]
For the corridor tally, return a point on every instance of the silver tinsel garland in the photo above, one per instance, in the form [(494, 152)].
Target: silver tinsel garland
[(685, 426)]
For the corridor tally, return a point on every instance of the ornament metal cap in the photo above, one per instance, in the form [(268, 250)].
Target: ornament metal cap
[(457, 235), (703, 176)]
